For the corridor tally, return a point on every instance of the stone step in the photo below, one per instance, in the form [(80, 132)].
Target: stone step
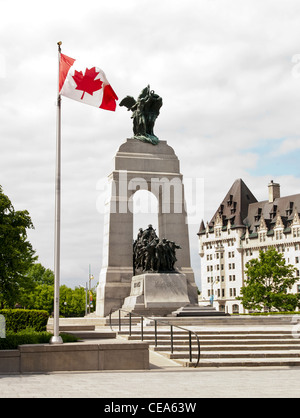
[(96, 322), (235, 354), (243, 362), (83, 331), (227, 347), (197, 310), (72, 328), (165, 340), (92, 335), (237, 359), (205, 339), (204, 334), (77, 327), (247, 341), (208, 321)]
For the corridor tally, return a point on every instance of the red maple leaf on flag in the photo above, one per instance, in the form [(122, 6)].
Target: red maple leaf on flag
[(87, 82)]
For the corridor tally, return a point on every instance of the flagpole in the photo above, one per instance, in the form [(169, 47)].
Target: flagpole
[(56, 339)]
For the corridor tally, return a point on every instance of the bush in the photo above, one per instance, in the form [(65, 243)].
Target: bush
[(30, 336), (20, 319), (13, 340)]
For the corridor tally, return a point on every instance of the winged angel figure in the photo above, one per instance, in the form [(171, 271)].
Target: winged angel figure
[(144, 113)]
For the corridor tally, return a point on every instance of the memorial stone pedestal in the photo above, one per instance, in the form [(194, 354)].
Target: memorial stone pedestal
[(157, 294)]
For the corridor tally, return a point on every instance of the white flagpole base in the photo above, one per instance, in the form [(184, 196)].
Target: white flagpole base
[(56, 340)]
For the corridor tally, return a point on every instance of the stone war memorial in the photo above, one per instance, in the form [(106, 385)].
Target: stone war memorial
[(150, 274)]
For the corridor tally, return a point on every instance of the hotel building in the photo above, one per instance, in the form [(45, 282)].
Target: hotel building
[(239, 229)]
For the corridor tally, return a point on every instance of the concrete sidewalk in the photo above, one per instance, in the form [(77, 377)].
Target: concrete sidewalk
[(165, 379)]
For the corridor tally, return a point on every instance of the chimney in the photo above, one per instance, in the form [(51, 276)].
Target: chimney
[(274, 191)]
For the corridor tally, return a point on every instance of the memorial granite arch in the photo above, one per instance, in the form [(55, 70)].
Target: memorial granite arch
[(141, 165)]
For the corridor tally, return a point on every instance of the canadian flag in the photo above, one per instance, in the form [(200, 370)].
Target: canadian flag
[(85, 84)]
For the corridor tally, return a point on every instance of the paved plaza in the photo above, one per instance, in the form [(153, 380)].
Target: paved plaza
[(164, 380)]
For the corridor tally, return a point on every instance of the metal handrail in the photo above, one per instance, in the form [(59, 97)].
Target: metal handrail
[(155, 331)]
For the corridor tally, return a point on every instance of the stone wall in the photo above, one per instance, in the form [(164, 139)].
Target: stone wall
[(106, 355)]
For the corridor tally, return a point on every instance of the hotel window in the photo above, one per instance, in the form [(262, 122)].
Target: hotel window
[(232, 292), (218, 232), (235, 309), (262, 237), (296, 232)]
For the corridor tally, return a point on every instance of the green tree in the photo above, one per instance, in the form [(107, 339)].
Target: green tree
[(268, 282), (16, 252), (41, 298), (39, 290), (72, 301), (38, 274)]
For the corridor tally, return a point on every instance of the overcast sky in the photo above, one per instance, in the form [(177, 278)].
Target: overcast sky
[(227, 71)]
